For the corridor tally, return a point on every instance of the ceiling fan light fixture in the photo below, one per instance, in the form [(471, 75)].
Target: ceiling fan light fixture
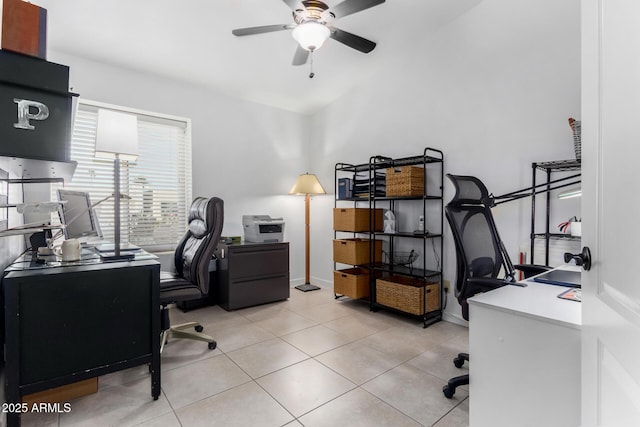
[(311, 35)]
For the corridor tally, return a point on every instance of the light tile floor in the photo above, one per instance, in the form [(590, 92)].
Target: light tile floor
[(311, 360)]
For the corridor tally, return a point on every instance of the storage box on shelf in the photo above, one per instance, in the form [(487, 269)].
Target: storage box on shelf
[(357, 251), (352, 282), (356, 219), (408, 294), (405, 181)]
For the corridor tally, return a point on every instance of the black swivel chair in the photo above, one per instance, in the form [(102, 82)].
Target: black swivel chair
[(482, 261), (192, 257)]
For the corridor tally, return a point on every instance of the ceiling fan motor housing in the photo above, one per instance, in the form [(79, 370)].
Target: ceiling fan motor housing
[(314, 10)]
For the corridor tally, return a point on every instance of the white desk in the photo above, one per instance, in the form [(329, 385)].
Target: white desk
[(524, 344)]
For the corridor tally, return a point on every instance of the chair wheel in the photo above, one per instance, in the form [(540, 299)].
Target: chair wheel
[(213, 345), (198, 328), (448, 391), (458, 362)]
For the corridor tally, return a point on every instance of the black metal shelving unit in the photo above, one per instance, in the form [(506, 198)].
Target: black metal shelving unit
[(433, 193), (426, 268), (549, 168)]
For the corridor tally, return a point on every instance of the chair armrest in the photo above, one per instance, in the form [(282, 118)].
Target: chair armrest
[(530, 270), (477, 285)]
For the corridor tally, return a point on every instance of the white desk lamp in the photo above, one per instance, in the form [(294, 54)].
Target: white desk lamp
[(117, 139), (306, 185)]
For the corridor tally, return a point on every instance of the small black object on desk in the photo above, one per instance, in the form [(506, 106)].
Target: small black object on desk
[(113, 256)]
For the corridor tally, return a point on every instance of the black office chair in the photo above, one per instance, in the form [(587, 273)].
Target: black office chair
[(191, 278), (482, 261)]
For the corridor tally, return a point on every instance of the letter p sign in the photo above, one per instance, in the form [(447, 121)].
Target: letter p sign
[(30, 110)]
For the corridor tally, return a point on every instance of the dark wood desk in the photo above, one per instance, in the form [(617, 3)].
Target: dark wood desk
[(66, 322)]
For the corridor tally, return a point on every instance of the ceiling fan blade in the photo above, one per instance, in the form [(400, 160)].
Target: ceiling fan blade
[(300, 57), (259, 30), (351, 40), (347, 7), (294, 4)]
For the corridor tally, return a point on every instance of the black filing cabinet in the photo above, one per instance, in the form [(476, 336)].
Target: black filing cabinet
[(252, 273)]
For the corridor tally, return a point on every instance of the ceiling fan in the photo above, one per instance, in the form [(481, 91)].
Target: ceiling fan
[(313, 25)]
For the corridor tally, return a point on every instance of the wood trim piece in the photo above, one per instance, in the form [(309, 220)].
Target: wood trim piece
[(24, 28), (62, 394)]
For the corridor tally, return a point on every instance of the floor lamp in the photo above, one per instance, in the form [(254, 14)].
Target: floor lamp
[(307, 184), (117, 139)]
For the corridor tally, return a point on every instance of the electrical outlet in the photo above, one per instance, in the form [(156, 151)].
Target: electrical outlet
[(446, 284)]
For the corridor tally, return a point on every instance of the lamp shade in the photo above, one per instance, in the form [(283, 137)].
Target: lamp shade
[(311, 35), (117, 134), (307, 183)]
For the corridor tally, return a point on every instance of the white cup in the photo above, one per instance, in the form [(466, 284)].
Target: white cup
[(575, 228), (69, 250)]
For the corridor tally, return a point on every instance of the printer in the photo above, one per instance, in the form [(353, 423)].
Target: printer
[(262, 228)]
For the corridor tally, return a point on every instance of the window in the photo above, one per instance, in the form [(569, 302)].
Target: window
[(158, 182)]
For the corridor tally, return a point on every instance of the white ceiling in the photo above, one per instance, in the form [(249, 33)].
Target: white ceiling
[(191, 40)]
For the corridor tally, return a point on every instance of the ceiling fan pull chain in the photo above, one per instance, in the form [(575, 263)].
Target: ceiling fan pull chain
[(311, 73)]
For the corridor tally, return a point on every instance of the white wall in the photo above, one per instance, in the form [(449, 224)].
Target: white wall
[(247, 154), (493, 89)]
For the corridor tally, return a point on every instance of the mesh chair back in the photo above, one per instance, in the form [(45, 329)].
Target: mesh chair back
[(195, 249), (469, 191), (479, 250)]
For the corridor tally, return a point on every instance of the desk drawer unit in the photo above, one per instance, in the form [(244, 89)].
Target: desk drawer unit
[(524, 369), (252, 274), (72, 323)]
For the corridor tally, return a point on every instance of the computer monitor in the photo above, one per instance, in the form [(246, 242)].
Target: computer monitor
[(77, 214)]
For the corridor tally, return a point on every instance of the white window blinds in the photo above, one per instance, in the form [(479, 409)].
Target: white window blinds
[(158, 182)]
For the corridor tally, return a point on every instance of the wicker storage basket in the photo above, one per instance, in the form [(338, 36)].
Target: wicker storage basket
[(408, 294), (405, 181), (355, 251), (356, 219), (352, 282), (576, 129)]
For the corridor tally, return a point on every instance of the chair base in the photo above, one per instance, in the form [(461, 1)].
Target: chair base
[(180, 331), (459, 361), (450, 389)]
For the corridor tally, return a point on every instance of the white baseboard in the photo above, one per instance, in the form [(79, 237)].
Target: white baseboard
[(457, 319)]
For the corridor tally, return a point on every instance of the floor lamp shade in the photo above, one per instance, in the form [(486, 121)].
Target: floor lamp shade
[(117, 139), (307, 184)]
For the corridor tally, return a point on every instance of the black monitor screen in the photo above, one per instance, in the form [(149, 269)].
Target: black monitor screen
[(76, 214)]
